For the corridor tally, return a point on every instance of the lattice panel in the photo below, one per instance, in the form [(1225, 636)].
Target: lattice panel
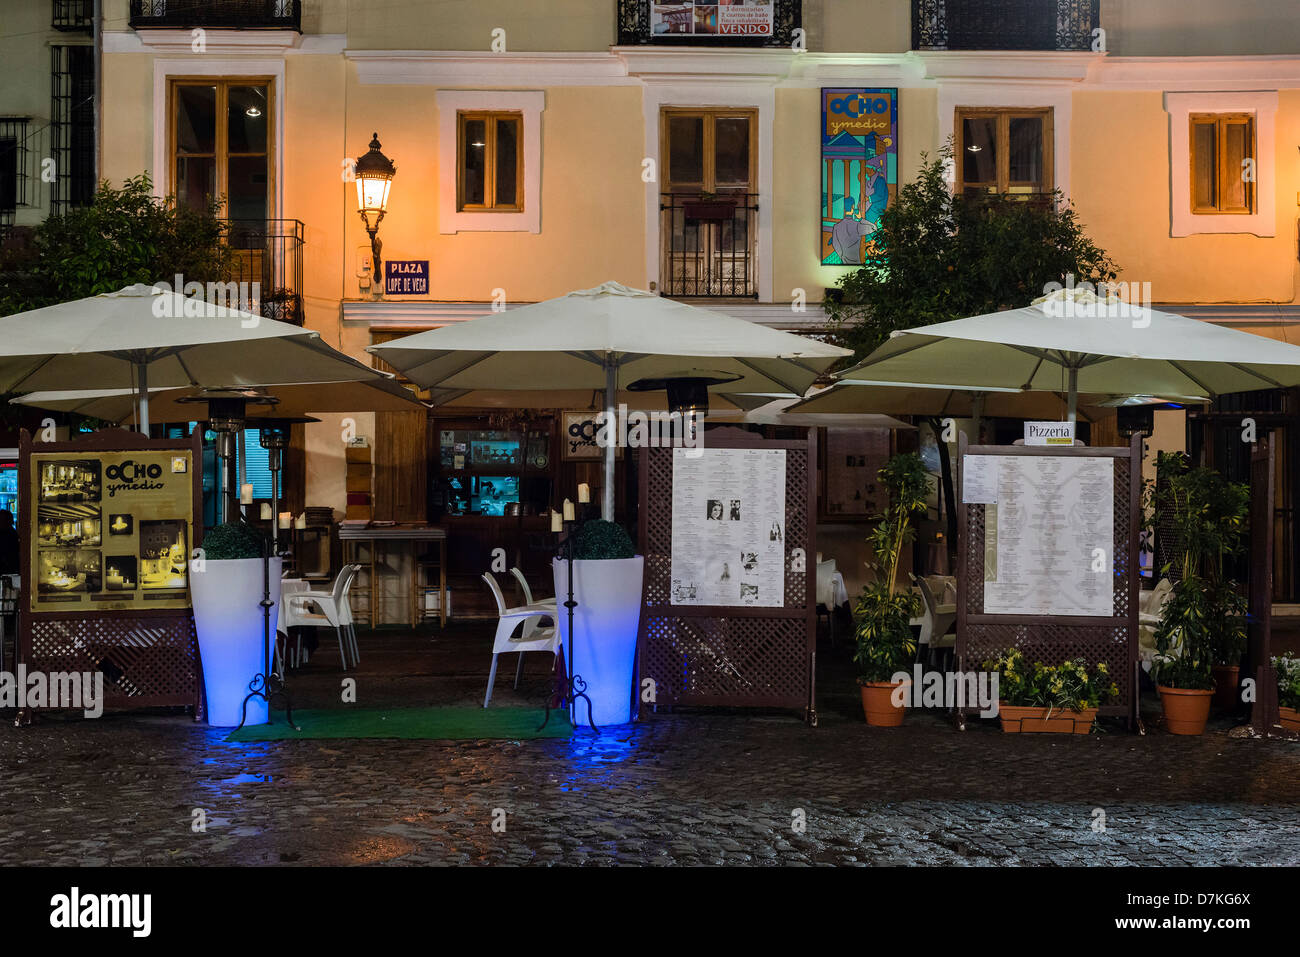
[(145, 660), (698, 656), (1041, 638), (1052, 644)]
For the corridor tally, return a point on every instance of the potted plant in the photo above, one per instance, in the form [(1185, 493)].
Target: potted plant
[(1049, 699), (226, 583), (1288, 690), (607, 578), (885, 646), (1202, 620)]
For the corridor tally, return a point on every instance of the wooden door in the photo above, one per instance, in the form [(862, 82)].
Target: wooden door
[(401, 466)]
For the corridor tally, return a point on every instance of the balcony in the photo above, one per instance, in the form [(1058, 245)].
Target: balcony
[(708, 246), (269, 253), (217, 14), (1004, 24), (641, 22)]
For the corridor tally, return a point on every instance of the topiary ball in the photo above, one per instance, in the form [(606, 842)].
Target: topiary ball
[(233, 540), (600, 540)]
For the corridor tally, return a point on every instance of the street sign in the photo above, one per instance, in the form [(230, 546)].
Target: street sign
[(406, 277)]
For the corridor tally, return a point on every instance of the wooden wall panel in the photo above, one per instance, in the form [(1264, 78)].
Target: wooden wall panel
[(401, 466)]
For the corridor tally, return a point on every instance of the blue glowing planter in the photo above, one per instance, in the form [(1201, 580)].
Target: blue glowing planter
[(604, 632), (227, 597)]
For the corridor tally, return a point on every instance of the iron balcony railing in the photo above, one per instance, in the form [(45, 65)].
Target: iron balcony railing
[(217, 14), (74, 16), (269, 253), (1005, 24), (636, 25), (708, 245)]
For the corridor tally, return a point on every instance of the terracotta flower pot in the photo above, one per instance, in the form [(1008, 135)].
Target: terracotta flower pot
[(1024, 719), (1225, 687), (878, 706), (1186, 709), (1290, 718)]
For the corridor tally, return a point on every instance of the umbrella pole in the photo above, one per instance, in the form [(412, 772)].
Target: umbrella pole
[(142, 372), (1073, 407), (611, 426)]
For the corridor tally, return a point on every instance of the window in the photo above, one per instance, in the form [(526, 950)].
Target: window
[(489, 166), (13, 167), (709, 205), (221, 146), (72, 126), (1004, 151), (1222, 155)]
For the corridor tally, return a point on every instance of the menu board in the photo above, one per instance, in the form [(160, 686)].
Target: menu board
[(721, 18), (111, 530), (728, 527), (1049, 538)]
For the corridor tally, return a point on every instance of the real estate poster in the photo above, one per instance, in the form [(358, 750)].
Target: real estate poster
[(728, 527), (1052, 532), (111, 530), (720, 18), (859, 170)]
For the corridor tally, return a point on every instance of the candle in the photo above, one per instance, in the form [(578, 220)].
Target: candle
[(266, 511), (285, 519), (245, 495), (568, 510), (556, 522), (301, 521), (584, 493)]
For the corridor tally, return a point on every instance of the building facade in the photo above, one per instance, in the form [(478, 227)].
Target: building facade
[(734, 154)]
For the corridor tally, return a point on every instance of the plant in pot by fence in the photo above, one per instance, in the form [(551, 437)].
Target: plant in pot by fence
[(1203, 620), (1287, 668), (1038, 698), (885, 645), (226, 593), (607, 578)]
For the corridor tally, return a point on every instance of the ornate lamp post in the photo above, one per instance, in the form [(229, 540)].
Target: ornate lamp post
[(375, 173)]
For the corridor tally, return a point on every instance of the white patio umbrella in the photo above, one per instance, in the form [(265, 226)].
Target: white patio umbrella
[(294, 401), (608, 337), (1075, 343), (782, 411), (140, 336)]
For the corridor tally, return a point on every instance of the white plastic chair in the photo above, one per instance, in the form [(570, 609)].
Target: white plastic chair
[(528, 592), (532, 637), (936, 621), (332, 610)]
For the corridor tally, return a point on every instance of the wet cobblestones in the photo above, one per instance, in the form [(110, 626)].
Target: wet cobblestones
[(679, 789)]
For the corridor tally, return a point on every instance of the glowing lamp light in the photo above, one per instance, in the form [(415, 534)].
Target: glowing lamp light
[(605, 622), (374, 172)]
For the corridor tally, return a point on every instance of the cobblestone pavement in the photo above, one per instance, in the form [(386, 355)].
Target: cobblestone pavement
[(686, 788)]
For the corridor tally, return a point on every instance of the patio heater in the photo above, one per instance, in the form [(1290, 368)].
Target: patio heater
[(688, 393), (273, 435), (227, 411)]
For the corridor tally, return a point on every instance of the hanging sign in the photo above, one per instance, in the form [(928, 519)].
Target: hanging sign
[(859, 136), (406, 277), (1049, 433)]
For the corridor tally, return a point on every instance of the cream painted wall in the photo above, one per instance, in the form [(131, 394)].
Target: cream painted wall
[(530, 26), (797, 171), (592, 217), (1200, 27), (853, 26), (127, 119), (1121, 187), (326, 465)]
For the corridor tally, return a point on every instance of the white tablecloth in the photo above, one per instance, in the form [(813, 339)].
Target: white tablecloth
[(831, 590)]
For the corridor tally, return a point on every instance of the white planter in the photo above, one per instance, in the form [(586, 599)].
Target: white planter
[(605, 624), (227, 600)]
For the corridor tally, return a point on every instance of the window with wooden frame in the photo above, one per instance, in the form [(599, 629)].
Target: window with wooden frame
[(1222, 159), (221, 145), (490, 162), (709, 151), (1004, 151)]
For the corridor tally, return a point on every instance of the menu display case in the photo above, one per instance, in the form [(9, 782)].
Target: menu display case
[(495, 473), (111, 529)]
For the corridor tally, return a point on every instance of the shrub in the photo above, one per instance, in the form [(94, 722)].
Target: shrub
[(599, 540), (233, 540)]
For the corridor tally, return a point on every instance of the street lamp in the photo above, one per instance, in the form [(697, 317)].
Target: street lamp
[(375, 173)]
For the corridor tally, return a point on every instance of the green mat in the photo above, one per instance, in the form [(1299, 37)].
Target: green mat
[(435, 724)]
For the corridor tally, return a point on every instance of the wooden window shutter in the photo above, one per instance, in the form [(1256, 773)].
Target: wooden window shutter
[(1205, 165), (1237, 136), (401, 466)]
